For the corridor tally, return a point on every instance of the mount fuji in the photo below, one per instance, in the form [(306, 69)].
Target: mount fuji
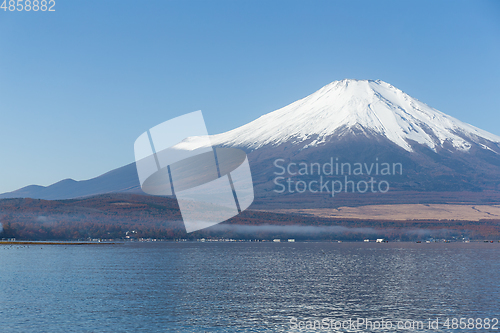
[(352, 121)]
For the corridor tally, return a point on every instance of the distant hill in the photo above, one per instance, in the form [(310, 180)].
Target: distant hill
[(121, 180)]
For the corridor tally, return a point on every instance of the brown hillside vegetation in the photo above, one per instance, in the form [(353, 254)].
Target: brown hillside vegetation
[(110, 216)]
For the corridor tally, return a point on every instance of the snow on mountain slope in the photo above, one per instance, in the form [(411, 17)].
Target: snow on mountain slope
[(366, 105)]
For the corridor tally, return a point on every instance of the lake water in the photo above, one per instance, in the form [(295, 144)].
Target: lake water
[(247, 287)]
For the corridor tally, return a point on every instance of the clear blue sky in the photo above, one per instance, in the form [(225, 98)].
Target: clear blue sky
[(79, 85)]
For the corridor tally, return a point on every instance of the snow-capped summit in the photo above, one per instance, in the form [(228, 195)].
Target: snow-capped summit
[(372, 107)]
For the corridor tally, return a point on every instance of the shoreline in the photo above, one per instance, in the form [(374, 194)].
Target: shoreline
[(55, 243)]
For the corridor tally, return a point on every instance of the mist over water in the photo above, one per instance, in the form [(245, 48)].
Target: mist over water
[(324, 232), (293, 229)]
